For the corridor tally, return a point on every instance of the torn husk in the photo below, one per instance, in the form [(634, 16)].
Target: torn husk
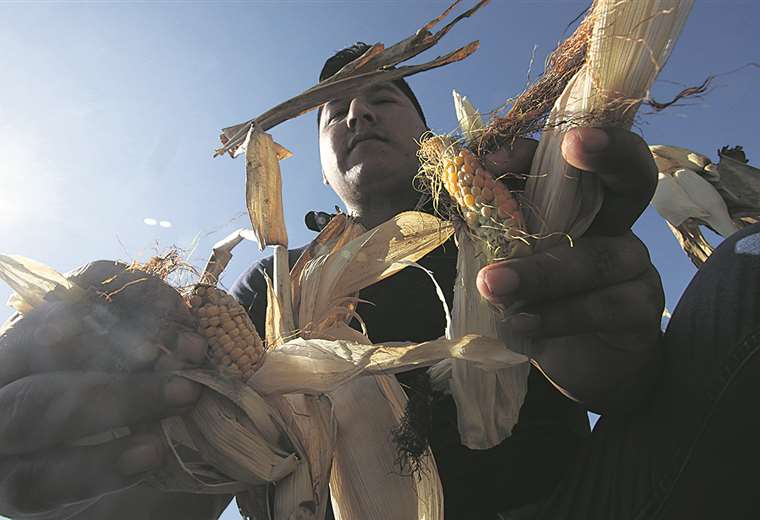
[(629, 45), (375, 66), (263, 190), (488, 401), (221, 254), (366, 482), (33, 282)]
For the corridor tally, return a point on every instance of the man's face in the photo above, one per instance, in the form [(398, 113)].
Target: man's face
[(367, 143)]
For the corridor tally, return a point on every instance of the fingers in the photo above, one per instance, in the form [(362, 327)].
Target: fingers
[(191, 351), (45, 410), (633, 307), (47, 480), (562, 271), (623, 163), (60, 336), (134, 292), (512, 159)]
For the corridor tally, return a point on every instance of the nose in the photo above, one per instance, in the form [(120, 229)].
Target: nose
[(359, 114)]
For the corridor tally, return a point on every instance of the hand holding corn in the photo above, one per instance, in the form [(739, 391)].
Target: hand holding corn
[(594, 307), (69, 371)]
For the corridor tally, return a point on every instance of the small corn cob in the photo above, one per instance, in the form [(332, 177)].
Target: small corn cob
[(235, 347), (487, 206)]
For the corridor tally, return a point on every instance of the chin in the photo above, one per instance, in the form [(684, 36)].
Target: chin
[(370, 177)]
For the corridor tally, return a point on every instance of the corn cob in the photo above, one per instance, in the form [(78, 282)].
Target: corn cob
[(486, 205), (235, 347)]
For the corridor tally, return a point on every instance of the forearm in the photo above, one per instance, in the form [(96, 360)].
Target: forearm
[(606, 377)]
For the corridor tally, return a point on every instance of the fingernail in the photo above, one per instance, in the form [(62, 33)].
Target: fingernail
[(181, 392), (523, 324), (191, 347), (593, 140), (140, 458), (500, 281)]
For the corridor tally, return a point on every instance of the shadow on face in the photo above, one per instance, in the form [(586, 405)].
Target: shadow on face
[(368, 144)]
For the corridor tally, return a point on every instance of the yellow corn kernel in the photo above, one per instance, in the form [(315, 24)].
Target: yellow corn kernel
[(236, 348)]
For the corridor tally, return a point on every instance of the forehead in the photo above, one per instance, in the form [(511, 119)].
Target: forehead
[(378, 88)]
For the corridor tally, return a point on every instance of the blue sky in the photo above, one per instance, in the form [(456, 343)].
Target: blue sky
[(110, 111)]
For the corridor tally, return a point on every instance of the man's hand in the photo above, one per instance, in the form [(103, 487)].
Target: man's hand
[(68, 371), (594, 309)]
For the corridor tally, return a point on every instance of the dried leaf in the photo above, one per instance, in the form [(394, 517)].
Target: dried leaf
[(275, 331), (371, 68), (630, 43), (488, 401), (364, 479), (34, 282), (263, 190), (315, 366), (470, 120), (367, 259), (221, 254)]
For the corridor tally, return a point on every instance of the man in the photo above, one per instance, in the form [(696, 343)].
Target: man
[(594, 313), (368, 152)]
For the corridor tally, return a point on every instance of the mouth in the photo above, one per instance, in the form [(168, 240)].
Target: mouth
[(361, 138)]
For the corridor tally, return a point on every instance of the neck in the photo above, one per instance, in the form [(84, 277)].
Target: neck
[(370, 212)]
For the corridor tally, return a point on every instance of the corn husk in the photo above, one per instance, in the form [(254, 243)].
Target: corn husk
[(263, 189), (488, 401), (692, 192), (366, 481), (333, 280), (468, 117), (33, 282), (630, 42)]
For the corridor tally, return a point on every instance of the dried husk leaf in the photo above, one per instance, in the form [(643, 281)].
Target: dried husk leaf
[(316, 366), (375, 66), (338, 232), (470, 120), (282, 291), (366, 482), (367, 259), (488, 401), (221, 254), (313, 415), (274, 325), (630, 43), (263, 190), (34, 282), (242, 439), (229, 440)]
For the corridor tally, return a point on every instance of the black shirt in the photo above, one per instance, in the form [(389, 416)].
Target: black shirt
[(477, 484)]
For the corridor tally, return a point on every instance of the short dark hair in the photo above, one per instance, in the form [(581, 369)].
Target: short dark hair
[(345, 56)]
